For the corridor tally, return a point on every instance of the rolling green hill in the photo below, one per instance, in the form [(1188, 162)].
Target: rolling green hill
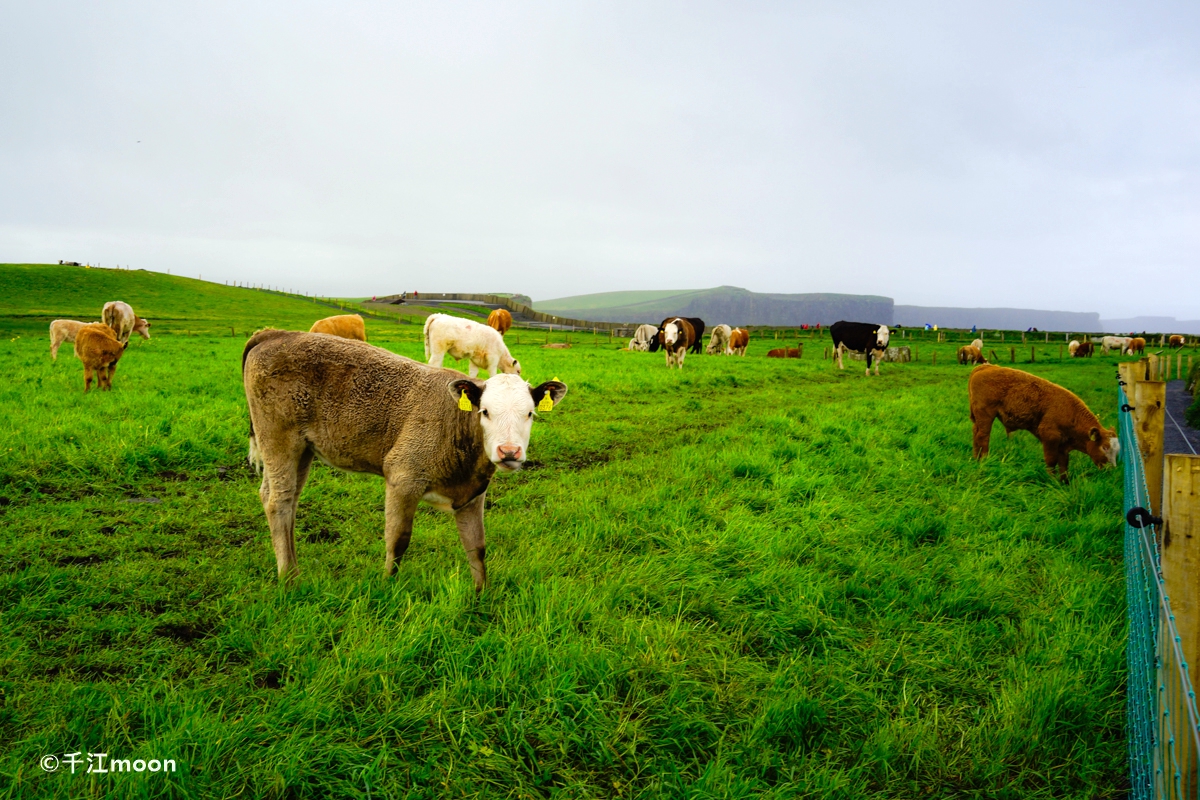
[(35, 294), (728, 304)]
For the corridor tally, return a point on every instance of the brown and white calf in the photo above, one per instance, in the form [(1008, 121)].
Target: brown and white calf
[(1176, 341), (677, 336), (482, 346), (1056, 416), (96, 345), (739, 340), (364, 409), (347, 326)]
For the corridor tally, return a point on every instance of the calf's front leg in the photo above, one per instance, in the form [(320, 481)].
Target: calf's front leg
[(469, 519), (400, 506)]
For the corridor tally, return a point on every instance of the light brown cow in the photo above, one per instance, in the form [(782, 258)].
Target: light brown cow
[(970, 354), (433, 434), (347, 326), (500, 319), (1176, 341), (62, 330), (785, 352), (1137, 345), (120, 317), (96, 345), (739, 340), (1056, 416)]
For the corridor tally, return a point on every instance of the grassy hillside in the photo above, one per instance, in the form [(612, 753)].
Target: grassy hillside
[(35, 294), (605, 300), (795, 583), (727, 304)]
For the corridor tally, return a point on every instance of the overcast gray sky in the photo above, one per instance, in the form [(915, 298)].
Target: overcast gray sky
[(1040, 155)]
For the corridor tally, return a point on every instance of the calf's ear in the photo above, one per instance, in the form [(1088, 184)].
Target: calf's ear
[(472, 389), (557, 390), (1094, 434)]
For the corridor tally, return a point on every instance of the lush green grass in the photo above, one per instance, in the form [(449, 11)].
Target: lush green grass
[(752, 578)]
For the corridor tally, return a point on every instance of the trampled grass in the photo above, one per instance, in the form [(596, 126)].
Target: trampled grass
[(752, 578)]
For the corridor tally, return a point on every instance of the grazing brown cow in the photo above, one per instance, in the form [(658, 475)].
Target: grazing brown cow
[(1137, 345), (969, 354), (1176, 341), (62, 330), (500, 319), (1084, 350), (739, 340), (97, 347), (347, 326), (1056, 416), (784, 352), (433, 434)]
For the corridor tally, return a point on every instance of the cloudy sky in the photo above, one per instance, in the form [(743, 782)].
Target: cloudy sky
[(1039, 155)]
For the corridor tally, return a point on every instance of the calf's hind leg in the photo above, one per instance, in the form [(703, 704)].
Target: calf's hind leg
[(286, 464), (983, 432)]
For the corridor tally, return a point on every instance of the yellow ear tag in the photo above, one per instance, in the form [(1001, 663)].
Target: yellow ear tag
[(464, 403), (546, 403)]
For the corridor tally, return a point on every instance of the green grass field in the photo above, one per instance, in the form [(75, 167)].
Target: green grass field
[(754, 578)]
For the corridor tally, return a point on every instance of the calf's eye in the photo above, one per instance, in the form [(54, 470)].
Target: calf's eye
[(530, 415), (484, 412)]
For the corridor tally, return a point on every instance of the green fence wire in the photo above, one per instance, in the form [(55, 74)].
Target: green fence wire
[(1164, 734)]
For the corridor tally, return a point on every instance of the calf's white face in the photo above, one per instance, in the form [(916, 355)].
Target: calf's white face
[(881, 337), (506, 407)]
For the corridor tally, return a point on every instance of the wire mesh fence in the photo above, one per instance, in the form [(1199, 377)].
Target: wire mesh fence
[(1164, 737)]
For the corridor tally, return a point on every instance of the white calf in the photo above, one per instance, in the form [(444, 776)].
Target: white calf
[(483, 346)]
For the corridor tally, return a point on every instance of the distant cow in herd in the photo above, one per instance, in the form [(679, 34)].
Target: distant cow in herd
[(1176, 341), (739, 340), (481, 345), (1119, 343), (785, 352), (63, 330), (1137, 345), (346, 326), (970, 354), (718, 341), (643, 337), (677, 334), (500, 320), (120, 317), (1056, 416), (697, 325), (859, 337), (1083, 350)]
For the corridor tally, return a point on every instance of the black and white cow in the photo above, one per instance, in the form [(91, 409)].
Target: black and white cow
[(859, 337)]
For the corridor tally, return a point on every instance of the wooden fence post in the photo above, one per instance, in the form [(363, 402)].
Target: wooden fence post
[(1181, 578), (1149, 401), (1033, 355), (935, 358), (1152, 368), (1060, 352), (1012, 355)]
